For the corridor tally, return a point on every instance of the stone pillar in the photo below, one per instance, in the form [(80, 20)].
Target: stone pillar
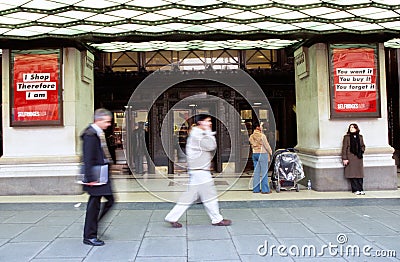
[(320, 138), (45, 159)]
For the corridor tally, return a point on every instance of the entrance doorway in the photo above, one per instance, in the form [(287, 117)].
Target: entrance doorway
[(182, 121), (170, 118), (176, 109), (232, 118)]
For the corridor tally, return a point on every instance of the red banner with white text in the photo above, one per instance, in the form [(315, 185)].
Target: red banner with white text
[(355, 88), (36, 88)]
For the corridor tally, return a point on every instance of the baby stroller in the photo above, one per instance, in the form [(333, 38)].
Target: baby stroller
[(287, 170)]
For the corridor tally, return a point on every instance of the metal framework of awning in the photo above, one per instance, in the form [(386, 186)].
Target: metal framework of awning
[(140, 25)]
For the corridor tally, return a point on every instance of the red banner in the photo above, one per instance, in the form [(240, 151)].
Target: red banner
[(36, 87), (354, 80)]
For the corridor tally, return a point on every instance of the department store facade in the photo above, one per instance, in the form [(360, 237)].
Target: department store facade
[(301, 80)]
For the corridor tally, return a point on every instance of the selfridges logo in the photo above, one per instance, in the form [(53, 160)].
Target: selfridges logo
[(143, 100)]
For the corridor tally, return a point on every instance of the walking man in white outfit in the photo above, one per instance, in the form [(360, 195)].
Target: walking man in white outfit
[(200, 149)]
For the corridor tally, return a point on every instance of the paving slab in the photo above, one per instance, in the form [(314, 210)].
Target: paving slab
[(212, 250), (294, 229), (24, 217), (163, 247), (344, 215), (164, 229), (114, 251), (135, 231), (65, 248), (22, 251), (326, 225), (370, 228), (248, 227), (138, 232), (249, 244), (198, 232), (39, 233), (12, 230)]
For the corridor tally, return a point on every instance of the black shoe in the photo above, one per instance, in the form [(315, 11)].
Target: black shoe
[(93, 241)]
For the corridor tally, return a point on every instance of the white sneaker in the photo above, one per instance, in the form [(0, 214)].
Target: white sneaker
[(362, 193), (357, 193)]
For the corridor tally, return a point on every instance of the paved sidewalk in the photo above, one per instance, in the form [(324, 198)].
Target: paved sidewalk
[(137, 232)]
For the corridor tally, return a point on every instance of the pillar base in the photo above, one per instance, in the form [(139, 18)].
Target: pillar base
[(332, 179), (327, 173), (47, 176)]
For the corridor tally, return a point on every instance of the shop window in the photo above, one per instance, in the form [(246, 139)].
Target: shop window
[(260, 59), (158, 59), (224, 58), (122, 61)]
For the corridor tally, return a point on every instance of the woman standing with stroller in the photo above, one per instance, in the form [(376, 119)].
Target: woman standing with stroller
[(261, 152), (352, 157)]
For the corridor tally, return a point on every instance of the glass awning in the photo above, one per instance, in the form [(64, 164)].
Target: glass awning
[(194, 45), (185, 24)]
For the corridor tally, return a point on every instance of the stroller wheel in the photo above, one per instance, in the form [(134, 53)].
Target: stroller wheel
[(297, 188)]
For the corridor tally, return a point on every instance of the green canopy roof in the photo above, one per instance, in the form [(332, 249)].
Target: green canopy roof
[(143, 25)]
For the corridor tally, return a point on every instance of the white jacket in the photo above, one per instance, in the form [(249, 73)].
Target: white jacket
[(200, 149)]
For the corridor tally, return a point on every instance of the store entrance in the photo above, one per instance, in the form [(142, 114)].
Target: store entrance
[(182, 122), (232, 117), (172, 117)]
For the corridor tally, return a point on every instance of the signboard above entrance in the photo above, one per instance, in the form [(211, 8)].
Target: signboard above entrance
[(301, 62), (354, 81)]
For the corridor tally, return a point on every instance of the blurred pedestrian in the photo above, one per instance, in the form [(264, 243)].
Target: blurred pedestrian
[(111, 142), (151, 169), (139, 147), (95, 154), (200, 148)]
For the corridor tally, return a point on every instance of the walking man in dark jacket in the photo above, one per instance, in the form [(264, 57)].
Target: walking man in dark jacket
[(95, 153)]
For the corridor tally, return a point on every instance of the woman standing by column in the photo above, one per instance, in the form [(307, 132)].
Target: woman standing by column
[(261, 152), (352, 156)]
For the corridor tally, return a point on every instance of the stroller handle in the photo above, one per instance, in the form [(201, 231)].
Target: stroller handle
[(289, 149)]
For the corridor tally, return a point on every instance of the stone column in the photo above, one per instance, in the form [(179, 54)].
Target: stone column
[(45, 159), (320, 138)]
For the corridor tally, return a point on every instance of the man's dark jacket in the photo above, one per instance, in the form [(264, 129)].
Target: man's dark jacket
[(93, 155)]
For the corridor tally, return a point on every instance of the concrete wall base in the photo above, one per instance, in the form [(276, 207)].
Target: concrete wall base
[(49, 185), (332, 179), (46, 176)]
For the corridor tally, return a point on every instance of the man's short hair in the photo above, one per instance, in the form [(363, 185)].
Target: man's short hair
[(100, 113), (256, 124), (201, 117)]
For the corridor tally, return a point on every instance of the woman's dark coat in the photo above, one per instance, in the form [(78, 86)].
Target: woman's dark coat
[(355, 168), (93, 155)]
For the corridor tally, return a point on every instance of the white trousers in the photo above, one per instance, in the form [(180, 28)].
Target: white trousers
[(208, 195)]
